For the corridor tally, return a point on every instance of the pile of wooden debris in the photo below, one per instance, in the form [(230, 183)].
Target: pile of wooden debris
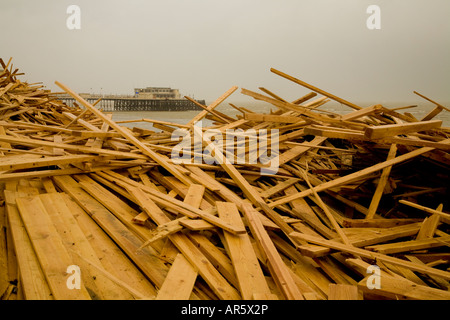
[(90, 209)]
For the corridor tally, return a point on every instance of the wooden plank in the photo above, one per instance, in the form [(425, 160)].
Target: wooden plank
[(179, 282), (116, 206), (158, 218), (296, 151), (80, 121), (343, 292), (444, 217), (32, 278), (66, 146), (248, 190), (381, 184), (360, 237), (310, 87), (4, 277), (398, 289), (411, 245), (432, 113), (377, 223), (334, 133), (379, 132), (196, 224), (278, 187), (432, 101), (248, 272), (49, 249), (16, 164), (218, 257), (363, 112), (194, 195), (212, 106), (429, 225), (278, 269), (272, 118), (305, 98), (215, 115)]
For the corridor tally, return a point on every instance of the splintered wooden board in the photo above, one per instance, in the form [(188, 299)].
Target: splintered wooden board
[(53, 256), (33, 280), (246, 265)]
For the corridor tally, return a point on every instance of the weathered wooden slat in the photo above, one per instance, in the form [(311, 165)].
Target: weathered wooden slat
[(179, 282), (15, 164), (248, 272), (49, 249), (74, 240), (278, 269), (381, 184), (34, 283)]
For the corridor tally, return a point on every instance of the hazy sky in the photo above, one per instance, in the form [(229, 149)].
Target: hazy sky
[(204, 47)]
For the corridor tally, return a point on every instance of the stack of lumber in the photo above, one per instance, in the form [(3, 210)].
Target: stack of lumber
[(91, 209)]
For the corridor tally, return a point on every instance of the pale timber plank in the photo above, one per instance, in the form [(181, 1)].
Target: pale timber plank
[(34, 283), (280, 273), (179, 282), (49, 249), (248, 271)]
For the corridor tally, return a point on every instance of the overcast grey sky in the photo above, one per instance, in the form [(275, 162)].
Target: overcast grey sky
[(203, 47)]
